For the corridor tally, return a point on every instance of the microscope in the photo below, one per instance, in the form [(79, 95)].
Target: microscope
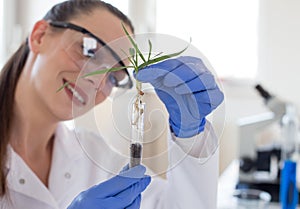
[(259, 166)]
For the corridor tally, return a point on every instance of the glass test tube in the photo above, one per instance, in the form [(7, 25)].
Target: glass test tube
[(137, 131)]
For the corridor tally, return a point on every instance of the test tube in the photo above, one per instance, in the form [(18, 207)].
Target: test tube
[(137, 131)]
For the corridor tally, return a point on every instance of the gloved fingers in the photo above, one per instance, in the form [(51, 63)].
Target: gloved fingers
[(128, 196), (206, 97), (112, 186), (189, 66), (136, 203), (131, 193), (203, 101), (168, 99), (184, 73), (125, 168), (150, 74), (135, 172), (118, 183), (189, 59), (201, 83), (198, 106), (155, 71), (206, 101), (216, 97)]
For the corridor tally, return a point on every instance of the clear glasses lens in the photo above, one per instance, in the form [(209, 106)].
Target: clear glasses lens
[(120, 79), (91, 56)]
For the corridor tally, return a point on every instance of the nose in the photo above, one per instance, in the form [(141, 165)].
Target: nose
[(97, 81)]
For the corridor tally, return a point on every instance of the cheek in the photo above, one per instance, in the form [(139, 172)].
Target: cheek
[(43, 78), (104, 90), (100, 97), (45, 81)]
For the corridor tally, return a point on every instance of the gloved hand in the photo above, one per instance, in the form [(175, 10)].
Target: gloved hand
[(119, 192), (188, 90)]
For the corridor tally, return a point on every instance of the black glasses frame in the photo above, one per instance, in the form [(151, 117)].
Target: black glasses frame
[(67, 25)]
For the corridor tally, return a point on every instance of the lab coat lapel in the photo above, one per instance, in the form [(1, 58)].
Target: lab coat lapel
[(66, 152), (80, 160), (21, 179)]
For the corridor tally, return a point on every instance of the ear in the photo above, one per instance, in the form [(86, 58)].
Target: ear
[(35, 39)]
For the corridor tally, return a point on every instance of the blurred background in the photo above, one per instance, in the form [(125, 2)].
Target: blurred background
[(247, 42)]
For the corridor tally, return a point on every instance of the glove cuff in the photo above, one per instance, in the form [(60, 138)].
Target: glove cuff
[(187, 132)]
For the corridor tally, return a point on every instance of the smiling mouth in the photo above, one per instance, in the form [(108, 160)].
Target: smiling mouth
[(75, 93)]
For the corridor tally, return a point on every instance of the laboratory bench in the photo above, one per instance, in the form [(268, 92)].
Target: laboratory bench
[(226, 186)]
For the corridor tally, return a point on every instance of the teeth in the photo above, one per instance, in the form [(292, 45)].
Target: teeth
[(76, 94)]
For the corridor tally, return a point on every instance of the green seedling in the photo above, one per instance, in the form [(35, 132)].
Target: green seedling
[(133, 57)]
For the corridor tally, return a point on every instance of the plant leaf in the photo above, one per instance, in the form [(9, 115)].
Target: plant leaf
[(150, 49), (63, 86), (131, 60), (161, 58), (136, 60), (134, 44), (157, 55), (132, 52), (97, 72)]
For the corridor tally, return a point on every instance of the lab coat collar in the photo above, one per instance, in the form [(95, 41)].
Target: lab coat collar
[(66, 152), (65, 144), (21, 178)]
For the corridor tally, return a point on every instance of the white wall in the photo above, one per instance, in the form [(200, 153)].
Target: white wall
[(224, 31), (20, 16), (18, 19), (30, 11), (142, 15), (279, 47), (1, 32), (10, 29)]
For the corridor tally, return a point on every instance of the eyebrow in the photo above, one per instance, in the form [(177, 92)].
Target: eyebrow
[(67, 25)]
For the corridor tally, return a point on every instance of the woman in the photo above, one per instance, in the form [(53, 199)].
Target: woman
[(42, 165)]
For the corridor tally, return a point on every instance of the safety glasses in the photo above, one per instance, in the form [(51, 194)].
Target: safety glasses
[(91, 53)]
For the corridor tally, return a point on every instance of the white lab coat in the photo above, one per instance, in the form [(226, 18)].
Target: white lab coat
[(191, 183)]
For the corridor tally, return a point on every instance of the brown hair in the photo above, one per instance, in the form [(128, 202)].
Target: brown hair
[(11, 71)]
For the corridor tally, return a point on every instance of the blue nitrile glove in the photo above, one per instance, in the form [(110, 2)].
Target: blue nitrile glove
[(119, 192), (188, 90)]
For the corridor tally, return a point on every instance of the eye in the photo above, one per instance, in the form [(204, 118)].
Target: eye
[(113, 79)]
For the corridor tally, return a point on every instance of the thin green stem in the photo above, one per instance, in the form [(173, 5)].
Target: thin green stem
[(133, 57)]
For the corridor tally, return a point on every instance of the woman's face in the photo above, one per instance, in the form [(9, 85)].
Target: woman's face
[(65, 55)]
